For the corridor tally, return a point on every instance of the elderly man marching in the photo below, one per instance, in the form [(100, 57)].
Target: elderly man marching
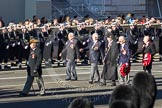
[(71, 51), (94, 47), (123, 61), (34, 69)]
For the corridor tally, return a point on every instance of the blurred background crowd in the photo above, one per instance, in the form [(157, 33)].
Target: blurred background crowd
[(52, 36)]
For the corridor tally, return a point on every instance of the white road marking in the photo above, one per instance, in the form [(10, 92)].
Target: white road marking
[(33, 84), (52, 75), (55, 75)]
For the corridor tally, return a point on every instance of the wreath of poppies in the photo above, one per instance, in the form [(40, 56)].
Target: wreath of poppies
[(124, 69), (146, 59)]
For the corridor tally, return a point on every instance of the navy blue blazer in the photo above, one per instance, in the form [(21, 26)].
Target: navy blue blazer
[(94, 54)]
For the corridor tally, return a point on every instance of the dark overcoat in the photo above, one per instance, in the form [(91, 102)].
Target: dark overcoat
[(34, 66), (110, 63)]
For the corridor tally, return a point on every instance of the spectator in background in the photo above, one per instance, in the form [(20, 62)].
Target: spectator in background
[(129, 18), (61, 19), (55, 22), (2, 24), (67, 20), (43, 20), (143, 20), (86, 17), (148, 49), (38, 22), (34, 18), (75, 21)]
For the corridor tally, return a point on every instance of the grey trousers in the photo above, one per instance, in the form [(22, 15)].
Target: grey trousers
[(29, 83), (122, 79), (94, 72), (70, 68)]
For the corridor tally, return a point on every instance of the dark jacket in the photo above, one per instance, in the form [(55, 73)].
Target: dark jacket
[(124, 58), (148, 32), (110, 63), (149, 49), (71, 50), (35, 60), (132, 35), (94, 55)]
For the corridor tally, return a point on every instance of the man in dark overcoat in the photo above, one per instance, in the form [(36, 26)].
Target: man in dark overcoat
[(110, 61)]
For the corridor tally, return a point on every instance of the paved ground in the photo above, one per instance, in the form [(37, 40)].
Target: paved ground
[(59, 93)]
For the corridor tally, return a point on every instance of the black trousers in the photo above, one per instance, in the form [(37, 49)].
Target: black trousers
[(4, 54), (12, 51), (19, 53)]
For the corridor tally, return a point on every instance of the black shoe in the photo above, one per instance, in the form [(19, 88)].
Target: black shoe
[(0, 67), (23, 94), (67, 79), (20, 66), (102, 84), (90, 82), (58, 64)]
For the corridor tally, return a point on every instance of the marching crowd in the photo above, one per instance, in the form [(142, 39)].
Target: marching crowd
[(14, 38), (97, 41)]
